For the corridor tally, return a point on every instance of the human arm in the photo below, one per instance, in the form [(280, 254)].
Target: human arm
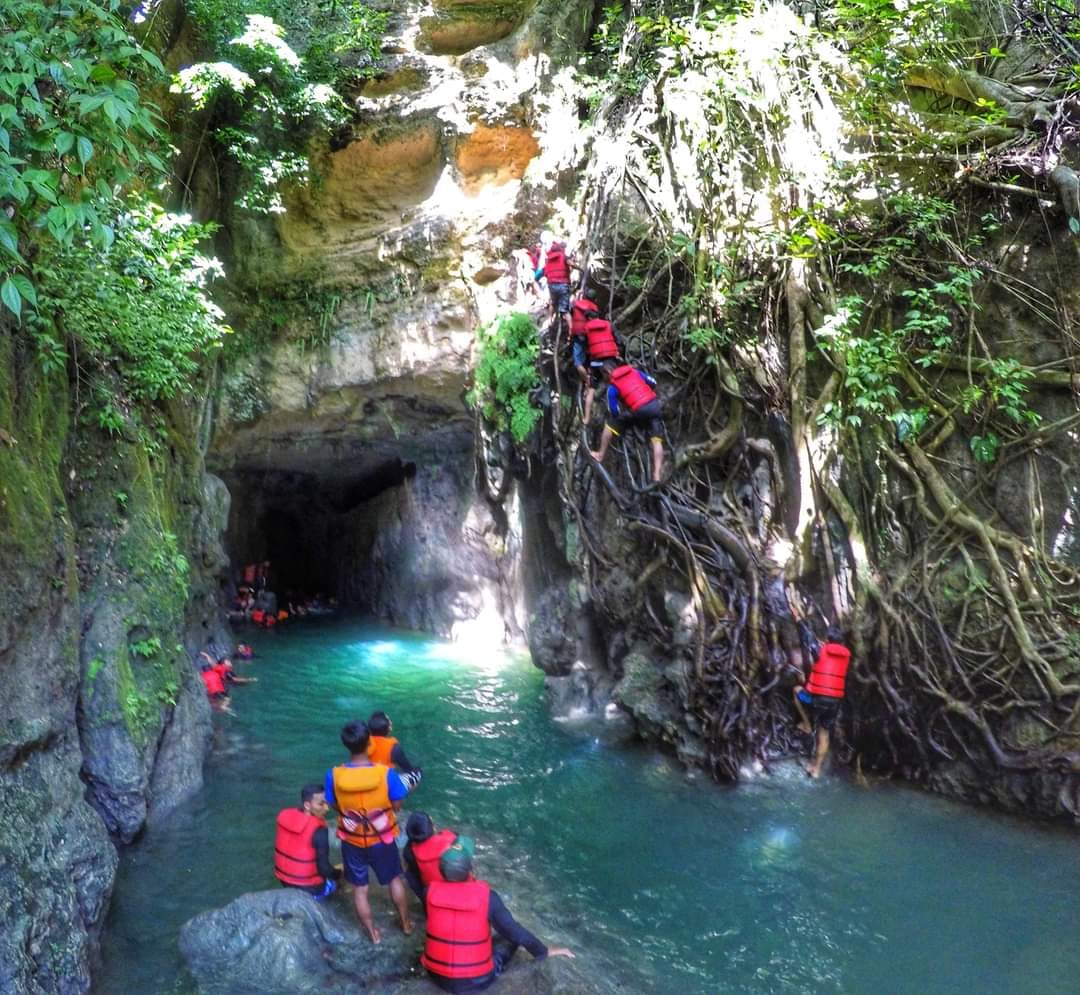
[(396, 789), (398, 758), (412, 872), (328, 789), (510, 929), (320, 840)]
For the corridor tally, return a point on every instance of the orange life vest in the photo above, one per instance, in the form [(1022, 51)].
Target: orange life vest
[(213, 681), (829, 673), (634, 392), (294, 852), (380, 750), (556, 268), (427, 855), (362, 795), (600, 339), (581, 311), (458, 943)]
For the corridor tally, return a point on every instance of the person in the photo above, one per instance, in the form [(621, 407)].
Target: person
[(383, 748), (216, 691), (367, 796), (302, 845), (601, 345), (823, 691), (632, 401), (421, 854), (245, 652), (554, 265), (582, 311), (230, 677), (459, 952)]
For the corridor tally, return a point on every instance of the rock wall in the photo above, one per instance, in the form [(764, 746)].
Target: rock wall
[(364, 297), (101, 727)]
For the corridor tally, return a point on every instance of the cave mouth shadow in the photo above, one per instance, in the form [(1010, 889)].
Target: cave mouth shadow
[(296, 521)]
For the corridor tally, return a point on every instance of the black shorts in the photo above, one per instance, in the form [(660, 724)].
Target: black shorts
[(823, 709), (649, 417)]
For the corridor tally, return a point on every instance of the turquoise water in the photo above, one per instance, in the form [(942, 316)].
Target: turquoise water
[(671, 884)]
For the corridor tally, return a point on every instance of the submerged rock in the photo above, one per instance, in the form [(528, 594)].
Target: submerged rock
[(283, 941)]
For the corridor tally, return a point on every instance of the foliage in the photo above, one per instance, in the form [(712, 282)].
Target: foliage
[(506, 374), (265, 104), (73, 129), (145, 648)]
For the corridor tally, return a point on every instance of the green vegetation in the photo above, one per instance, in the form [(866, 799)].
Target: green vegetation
[(506, 375)]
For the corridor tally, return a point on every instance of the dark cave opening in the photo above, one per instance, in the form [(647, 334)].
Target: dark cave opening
[(314, 529)]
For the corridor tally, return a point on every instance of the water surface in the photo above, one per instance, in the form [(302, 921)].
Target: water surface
[(672, 884)]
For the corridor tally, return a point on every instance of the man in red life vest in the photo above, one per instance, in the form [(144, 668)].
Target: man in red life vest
[(423, 851), (383, 748), (302, 846), (823, 691), (459, 952), (554, 265), (632, 401), (215, 687), (368, 796)]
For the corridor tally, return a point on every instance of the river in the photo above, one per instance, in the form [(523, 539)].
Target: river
[(673, 884)]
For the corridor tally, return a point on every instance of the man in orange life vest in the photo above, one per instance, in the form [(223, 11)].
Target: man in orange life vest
[(632, 401), (367, 796), (823, 691), (459, 952), (422, 852), (302, 845), (383, 748)]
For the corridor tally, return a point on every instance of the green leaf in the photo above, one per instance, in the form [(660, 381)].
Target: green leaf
[(64, 141), (1074, 225), (5, 140), (9, 237), (9, 294), (26, 288), (85, 148)]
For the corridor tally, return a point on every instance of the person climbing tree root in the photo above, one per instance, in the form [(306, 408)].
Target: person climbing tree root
[(804, 719)]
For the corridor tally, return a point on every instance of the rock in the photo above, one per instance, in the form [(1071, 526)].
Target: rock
[(283, 942)]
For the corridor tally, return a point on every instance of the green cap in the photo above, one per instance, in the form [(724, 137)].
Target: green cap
[(456, 861)]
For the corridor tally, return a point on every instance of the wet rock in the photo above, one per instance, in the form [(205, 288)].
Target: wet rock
[(283, 941)]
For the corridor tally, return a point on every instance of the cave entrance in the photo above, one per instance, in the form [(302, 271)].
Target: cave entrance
[(313, 528)]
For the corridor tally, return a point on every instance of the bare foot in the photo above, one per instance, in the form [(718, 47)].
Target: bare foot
[(407, 927), (804, 727), (813, 772), (594, 455), (376, 936)]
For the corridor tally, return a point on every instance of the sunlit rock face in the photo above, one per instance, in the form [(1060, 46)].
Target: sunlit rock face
[(375, 279)]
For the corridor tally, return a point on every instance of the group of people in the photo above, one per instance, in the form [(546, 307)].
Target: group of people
[(632, 401), (462, 912)]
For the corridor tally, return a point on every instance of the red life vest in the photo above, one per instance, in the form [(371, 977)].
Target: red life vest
[(601, 339), (581, 311), (380, 750), (257, 616), (458, 943), (556, 268), (294, 852), (427, 854), (828, 674), (634, 392), (212, 679)]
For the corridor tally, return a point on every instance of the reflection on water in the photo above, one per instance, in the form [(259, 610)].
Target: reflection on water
[(674, 884)]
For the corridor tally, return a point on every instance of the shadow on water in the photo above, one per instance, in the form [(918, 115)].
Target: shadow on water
[(670, 883)]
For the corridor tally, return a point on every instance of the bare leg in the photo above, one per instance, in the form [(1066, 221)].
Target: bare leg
[(814, 770), (804, 725), (401, 901), (363, 911), (605, 440), (657, 459)]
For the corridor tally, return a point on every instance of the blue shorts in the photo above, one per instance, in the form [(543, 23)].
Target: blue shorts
[(383, 858), (579, 351), (560, 296)]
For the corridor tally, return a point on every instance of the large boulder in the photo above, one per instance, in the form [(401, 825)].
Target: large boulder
[(283, 941)]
